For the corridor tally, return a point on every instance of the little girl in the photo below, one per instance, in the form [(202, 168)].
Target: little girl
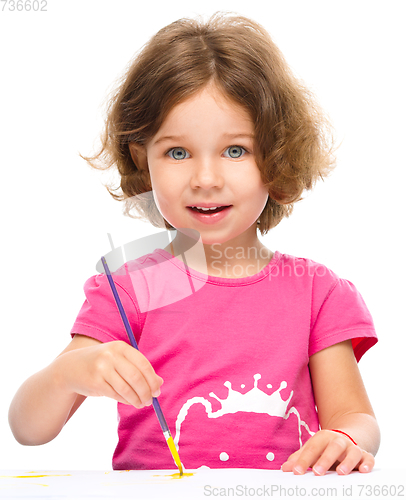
[(213, 135)]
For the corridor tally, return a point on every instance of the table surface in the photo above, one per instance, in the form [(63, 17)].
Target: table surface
[(201, 483)]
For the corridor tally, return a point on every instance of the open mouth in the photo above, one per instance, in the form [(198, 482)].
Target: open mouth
[(210, 210)]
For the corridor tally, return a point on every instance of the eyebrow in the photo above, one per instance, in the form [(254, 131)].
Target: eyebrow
[(174, 138), (181, 138), (238, 136)]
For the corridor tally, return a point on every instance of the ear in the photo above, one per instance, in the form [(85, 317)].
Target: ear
[(139, 155)]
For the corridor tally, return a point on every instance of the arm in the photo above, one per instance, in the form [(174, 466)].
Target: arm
[(40, 408), (87, 367), (342, 404)]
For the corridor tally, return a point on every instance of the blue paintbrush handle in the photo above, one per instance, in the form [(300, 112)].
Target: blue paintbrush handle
[(120, 307), (127, 326)]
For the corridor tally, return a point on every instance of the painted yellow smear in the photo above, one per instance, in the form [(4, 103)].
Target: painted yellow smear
[(155, 479), (176, 475), (175, 454), (41, 475)]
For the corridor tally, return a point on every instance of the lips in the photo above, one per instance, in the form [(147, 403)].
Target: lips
[(210, 210), (210, 216)]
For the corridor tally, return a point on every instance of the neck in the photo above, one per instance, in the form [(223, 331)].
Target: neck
[(230, 259)]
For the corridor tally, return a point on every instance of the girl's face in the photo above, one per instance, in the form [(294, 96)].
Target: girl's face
[(202, 155)]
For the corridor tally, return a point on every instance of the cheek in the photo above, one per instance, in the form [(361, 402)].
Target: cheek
[(264, 197), (162, 201), (258, 194), (164, 181), (166, 199), (160, 187), (262, 190), (250, 182)]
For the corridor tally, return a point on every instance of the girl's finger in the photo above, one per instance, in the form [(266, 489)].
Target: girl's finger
[(124, 391), (135, 380), (335, 451), (287, 466), (109, 392), (137, 359), (291, 461), (352, 461), (367, 463), (310, 452)]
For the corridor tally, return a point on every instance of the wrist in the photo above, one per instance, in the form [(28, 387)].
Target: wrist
[(344, 433), (58, 376), (362, 427)]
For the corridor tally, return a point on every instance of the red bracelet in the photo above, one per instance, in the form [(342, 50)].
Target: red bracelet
[(345, 434)]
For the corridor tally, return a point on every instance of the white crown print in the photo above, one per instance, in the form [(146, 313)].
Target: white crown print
[(253, 401)]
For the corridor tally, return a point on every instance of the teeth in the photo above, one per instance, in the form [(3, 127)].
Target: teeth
[(202, 208)]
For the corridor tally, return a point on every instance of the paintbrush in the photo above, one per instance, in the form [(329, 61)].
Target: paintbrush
[(155, 403)]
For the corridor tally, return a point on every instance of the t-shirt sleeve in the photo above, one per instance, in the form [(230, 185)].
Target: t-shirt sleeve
[(339, 313), (99, 317)]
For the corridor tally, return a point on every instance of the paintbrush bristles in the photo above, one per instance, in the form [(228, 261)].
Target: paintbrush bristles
[(175, 454)]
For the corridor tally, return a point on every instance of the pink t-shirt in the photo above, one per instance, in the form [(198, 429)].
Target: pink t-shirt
[(233, 354)]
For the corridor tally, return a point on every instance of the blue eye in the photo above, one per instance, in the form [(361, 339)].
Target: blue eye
[(178, 153), (234, 152)]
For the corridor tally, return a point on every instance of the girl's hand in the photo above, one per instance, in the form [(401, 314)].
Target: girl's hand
[(324, 450), (112, 369)]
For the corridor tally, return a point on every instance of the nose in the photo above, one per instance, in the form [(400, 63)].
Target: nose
[(206, 173)]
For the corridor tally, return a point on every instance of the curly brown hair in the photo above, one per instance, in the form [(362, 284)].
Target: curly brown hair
[(293, 138)]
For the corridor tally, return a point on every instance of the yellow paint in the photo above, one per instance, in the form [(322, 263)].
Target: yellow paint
[(42, 475), (176, 475), (175, 454)]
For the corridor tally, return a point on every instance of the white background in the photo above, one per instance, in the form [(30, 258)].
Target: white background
[(57, 68)]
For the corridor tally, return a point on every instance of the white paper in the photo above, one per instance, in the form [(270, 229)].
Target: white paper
[(204, 483)]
